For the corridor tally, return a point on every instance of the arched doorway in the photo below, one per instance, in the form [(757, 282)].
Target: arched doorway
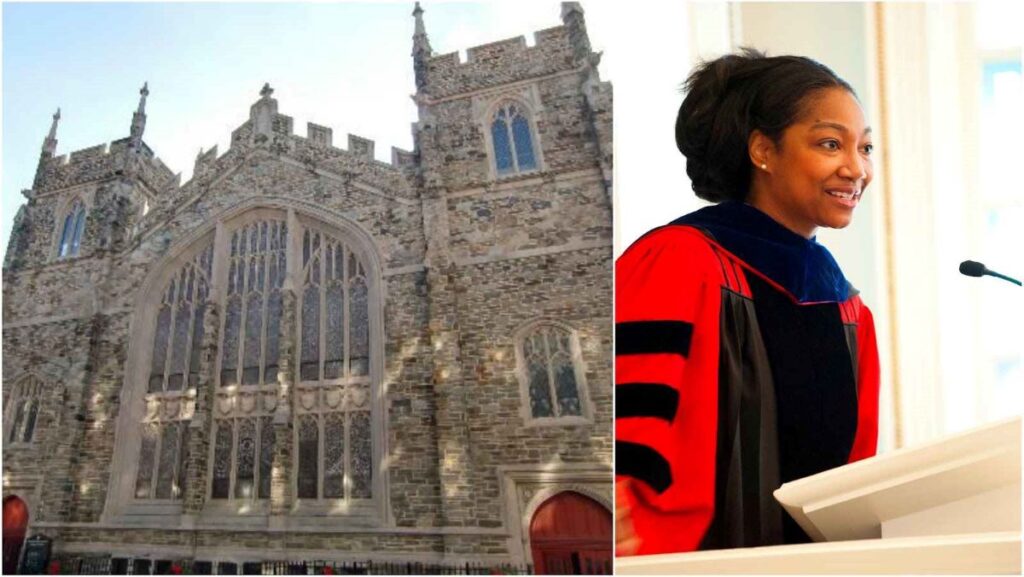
[(15, 525), (571, 534)]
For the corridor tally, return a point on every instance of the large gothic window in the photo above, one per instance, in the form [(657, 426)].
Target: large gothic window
[(513, 140), (550, 374), (71, 230), (257, 255)]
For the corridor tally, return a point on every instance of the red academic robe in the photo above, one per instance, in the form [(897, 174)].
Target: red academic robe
[(726, 387)]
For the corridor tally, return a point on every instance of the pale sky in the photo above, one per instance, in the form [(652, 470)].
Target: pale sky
[(346, 66)]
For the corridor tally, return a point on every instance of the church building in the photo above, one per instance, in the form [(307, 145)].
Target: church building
[(304, 355)]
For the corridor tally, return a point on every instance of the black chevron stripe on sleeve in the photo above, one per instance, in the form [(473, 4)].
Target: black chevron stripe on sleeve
[(647, 337), (643, 463), (646, 400)]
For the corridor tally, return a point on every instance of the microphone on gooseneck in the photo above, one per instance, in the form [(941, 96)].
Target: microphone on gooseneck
[(971, 268)]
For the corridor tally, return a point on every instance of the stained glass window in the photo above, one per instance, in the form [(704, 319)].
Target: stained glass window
[(551, 373), (174, 365), (147, 457), (245, 471), (334, 444), (333, 448), (502, 149), (168, 461), (266, 456), (19, 419), (222, 459), (308, 457), (23, 409), (362, 460), (334, 311), (334, 455), (179, 489), (512, 138), (524, 143), (163, 461), (71, 232), (253, 313), (30, 421)]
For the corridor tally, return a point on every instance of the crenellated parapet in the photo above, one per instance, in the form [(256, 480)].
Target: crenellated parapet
[(500, 62), (99, 162)]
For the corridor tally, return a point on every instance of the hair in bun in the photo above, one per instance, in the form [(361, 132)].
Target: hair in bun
[(730, 97)]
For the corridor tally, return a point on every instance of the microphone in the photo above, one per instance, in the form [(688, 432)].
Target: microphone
[(971, 268)]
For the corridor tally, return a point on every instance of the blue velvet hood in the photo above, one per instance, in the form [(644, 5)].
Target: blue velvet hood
[(803, 267)]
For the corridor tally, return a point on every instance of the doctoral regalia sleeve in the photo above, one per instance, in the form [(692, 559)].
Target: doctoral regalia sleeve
[(865, 443), (668, 298)]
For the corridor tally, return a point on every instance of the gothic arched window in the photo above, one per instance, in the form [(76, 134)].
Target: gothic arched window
[(513, 140), (71, 230), (551, 375), (174, 368), (335, 415), (334, 438), (23, 411)]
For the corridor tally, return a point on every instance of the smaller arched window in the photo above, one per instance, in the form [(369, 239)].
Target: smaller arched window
[(513, 140), (72, 229), (23, 411), (551, 375)]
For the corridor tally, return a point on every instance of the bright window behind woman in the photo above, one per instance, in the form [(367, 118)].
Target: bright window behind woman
[(1000, 230)]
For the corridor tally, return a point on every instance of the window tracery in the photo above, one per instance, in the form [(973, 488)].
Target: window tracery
[(334, 436), (551, 375), (333, 417), (251, 336), (512, 139), (23, 406), (72, 230)]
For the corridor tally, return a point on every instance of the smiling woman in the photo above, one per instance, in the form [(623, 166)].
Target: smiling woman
[(744, 358)]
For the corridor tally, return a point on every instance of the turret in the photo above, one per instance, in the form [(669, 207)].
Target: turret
[(572, 18), (421, 51), (139, 119)]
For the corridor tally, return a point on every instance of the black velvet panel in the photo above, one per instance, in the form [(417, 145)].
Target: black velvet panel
[(747, 455), (816, 394)]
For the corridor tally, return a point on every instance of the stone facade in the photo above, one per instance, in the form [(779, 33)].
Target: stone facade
[(459, 260)]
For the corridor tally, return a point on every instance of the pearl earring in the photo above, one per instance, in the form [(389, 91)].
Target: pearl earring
[(764, 166)]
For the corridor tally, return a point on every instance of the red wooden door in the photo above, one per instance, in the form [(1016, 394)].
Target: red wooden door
[(15, 524), (571, 534)]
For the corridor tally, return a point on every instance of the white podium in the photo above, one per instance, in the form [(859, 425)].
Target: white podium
[(950, 506)]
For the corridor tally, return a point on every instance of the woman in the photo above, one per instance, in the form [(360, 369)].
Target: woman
[(744, 359)]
